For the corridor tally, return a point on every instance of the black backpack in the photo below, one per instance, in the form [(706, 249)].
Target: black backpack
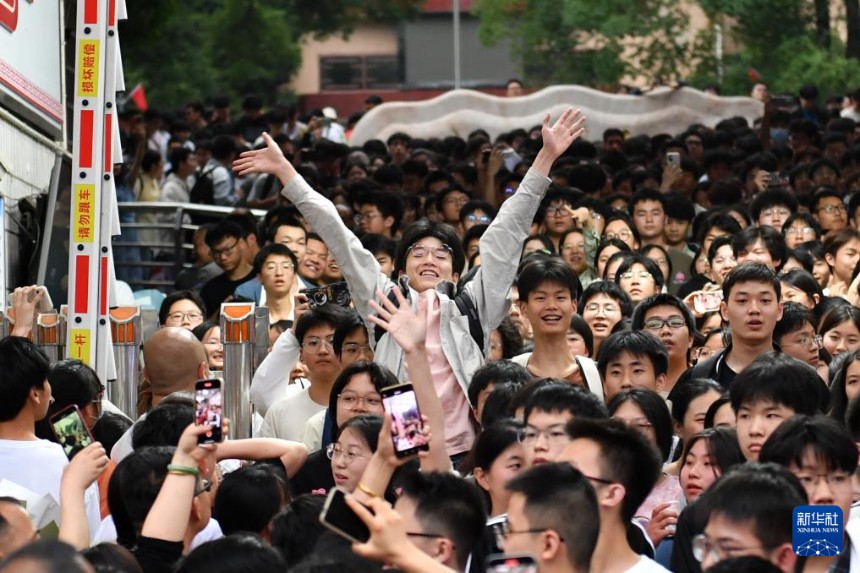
[(203, 191)]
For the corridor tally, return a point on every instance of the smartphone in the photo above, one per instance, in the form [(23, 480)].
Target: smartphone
[(70, 430), (407, 433), (499, 563), (337, 293), (707, 301), (339, 517), (673, 158), (208, 401)]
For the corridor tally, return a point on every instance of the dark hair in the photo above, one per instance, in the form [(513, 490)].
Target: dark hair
[(499, 403), (491, 443), (579, 326), (722, 445), (512, 341), (248, 498), (380, 376), (348, 324), (325, 315), (448, 505), (807, 219), (163, 424), (172, 298), (201, 329), (636, 343), (646, 194), (606, 243), (559, 497), (725, 223), (547, 270), (619, 216), (547, 243), (365, 425), (132, 490), (563, 397), (837, 315), (663, 299), (109, 428), (274, 249), (803, 280), (779, 379), (51, 555), (73, 382), (297, 528), (238, 553), (822, 193), (686, 391), (426, 228), (111, 558), (24, 366), (609, 289), (654, 408), (773, 241), (626, 457), (829, 440), (282, 220), (377, 244), (224, 229), (763, 495), (744, 564), (838, 395), (794, 316), (496, 373), (714, 408), (650, 267), (772, 198), (751, 273), (836, 241)]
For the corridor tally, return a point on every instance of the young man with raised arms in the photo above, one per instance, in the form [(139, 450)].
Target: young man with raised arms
[(429, 262)]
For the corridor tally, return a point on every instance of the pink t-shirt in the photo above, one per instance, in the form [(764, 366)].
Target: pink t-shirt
[(459, 434)]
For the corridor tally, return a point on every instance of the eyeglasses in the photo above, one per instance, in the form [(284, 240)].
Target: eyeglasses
[(455, 200), (596, 308), (355, 348), (704, 352), (425, 535), (603, 481), (775, 213), (482, 219), (834, 480), (225, 252), (570, 248), (703, 546), (274, 267), (673, 322), (530, 435), (314, 344), (367, 217), (333, 451), (800, 231), (642, 424), (806, 341), (623, 234), (829, 209), (351, 400), (557, 211), (441, 252), (182, 316), (641, 275)]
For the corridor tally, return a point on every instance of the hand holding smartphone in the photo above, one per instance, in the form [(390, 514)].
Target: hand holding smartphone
[(407, 426), (208, 401), (71, 431), (340, 518)]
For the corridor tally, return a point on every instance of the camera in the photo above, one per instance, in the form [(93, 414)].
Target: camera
[(335, 293)]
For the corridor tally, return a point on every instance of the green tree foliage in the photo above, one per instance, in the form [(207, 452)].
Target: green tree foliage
[(593, 42), (190, 49)]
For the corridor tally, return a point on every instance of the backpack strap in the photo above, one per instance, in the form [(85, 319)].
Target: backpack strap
[(466, 306)]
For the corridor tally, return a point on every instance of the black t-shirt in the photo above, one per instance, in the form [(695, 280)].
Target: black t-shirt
[(218, 289), (157, 555), (683, 560)]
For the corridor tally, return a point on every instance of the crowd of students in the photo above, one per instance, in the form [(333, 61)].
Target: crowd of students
[(622, 362)]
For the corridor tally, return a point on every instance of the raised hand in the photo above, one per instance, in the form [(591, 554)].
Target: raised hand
[(408, 327), (567, 128), (85, 467), (268, 160)]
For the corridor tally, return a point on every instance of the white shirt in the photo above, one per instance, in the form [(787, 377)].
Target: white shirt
[(38, 466), (646, 565), (286, 418), (313, 431)]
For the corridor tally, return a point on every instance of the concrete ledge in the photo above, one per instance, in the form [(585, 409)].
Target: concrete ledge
[(459, 112)]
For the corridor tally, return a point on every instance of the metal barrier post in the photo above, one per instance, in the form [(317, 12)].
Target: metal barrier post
[(47, 334), (125, 331), (261, 344), (238, 334)]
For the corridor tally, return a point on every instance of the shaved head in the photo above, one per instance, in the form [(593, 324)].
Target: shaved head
[(173, 360)]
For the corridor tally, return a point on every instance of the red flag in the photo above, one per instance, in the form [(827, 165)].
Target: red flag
[(138, 97)]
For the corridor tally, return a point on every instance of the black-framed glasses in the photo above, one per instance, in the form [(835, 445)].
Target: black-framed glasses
[(673, 322), (226, 251), (507, 531), (179, 316), (603, 481)]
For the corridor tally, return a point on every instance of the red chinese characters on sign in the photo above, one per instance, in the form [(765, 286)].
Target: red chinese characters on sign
[(9, 14), (88, 68), (83, 214)]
